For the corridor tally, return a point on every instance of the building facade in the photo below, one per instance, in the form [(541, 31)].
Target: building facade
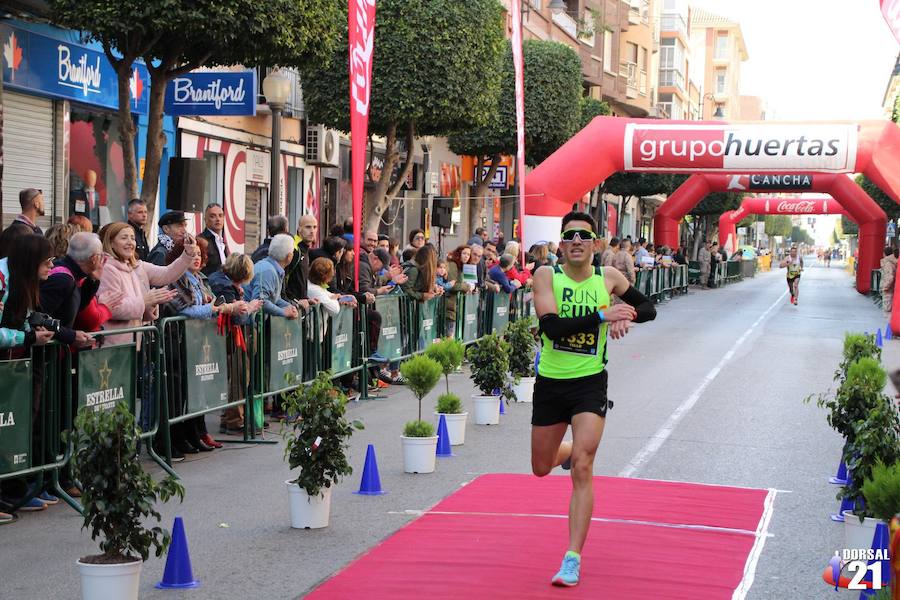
[(723, 48)]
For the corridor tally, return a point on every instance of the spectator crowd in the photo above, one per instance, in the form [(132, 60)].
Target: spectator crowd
[(70, 282)]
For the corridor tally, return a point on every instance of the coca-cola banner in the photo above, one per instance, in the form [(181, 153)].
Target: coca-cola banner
[(760, 147), (362, 45), (891, 11)]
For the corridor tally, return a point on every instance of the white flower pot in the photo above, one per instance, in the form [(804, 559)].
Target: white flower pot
[(456, 426), (487, 410), (524, 389), (102, 582), (856, 534), (308, 512), (419, 454)]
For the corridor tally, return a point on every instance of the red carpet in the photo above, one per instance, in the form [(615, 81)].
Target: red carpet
[(513, 555)]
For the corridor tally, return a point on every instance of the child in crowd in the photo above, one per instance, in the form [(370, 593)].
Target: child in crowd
[(442, 276)]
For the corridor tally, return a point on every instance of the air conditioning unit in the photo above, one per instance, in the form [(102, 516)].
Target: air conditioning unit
[(323, 146)]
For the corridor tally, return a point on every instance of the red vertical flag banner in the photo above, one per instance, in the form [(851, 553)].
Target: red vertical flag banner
[(361, 22), (519, 66), (891, 11)]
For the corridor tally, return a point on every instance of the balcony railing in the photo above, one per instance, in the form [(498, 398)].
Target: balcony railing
[(639, 12), (566, 23), (294, 106), (629, 73), (671, 78), (643, 83)]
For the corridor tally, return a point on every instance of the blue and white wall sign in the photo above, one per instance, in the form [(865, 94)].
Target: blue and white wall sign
[(46, 66), (212, 93)]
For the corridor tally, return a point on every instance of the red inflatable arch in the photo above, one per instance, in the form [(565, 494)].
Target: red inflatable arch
[(803, 205), (721, 150), (861, 208)]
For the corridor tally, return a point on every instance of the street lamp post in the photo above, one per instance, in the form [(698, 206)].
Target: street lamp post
[(277, 89), (718, 114)]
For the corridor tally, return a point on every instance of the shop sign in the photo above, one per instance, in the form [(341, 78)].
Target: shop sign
[(45, 66), (212, 93)]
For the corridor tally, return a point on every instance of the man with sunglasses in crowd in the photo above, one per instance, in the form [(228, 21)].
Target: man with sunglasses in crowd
[(574, 304)]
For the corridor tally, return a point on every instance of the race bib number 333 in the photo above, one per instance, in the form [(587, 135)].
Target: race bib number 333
[(583, 342)]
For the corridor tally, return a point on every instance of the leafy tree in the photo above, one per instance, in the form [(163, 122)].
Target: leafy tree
[(436, 70), (590, 108), (176, 37), (800, 235), (552, 110), (778, 225), (638, 185), (707, 212), (848, 226)]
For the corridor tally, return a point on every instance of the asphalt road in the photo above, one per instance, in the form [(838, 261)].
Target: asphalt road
[(711, 392)]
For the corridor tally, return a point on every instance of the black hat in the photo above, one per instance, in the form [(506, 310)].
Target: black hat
[(172, 217), (383, 256)]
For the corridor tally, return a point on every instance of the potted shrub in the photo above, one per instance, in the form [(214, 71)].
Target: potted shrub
[(489, 362), (316, 443), (419, 441), (874, 437), (449, 354), (882, 494), (117, 497), (522, 348)]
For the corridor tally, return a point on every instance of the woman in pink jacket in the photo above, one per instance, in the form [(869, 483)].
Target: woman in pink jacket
[(129, 278), (126, 275)]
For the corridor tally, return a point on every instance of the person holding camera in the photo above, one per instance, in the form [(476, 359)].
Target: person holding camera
[(23, 328)]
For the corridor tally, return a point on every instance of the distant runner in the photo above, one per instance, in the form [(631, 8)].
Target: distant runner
[(794, 265), (573, 303)]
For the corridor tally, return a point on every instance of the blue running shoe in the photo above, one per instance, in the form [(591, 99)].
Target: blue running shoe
[(33, 505), (568, 572), (48, 498), (375, 357)]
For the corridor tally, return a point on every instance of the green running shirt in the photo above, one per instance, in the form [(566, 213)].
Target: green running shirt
[(584, 353)]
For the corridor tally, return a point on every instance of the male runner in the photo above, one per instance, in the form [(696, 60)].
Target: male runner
[(573, 303), (794, 264)]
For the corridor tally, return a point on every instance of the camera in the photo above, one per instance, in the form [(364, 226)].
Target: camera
[(37, 319)]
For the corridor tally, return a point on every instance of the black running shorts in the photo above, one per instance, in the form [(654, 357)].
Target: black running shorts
[(558, 400)]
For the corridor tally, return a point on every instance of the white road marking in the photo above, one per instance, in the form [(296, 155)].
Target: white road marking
[(658, 439), (420, 513), (762, 532)]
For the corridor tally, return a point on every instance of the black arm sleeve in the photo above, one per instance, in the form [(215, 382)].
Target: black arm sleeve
[(642, 305), (557, 328)]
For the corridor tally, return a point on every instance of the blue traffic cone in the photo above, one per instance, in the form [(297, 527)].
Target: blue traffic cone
[(497, 393), (878, 341), (842, 478), (370, 484), (888, 334), (880, 542), (846, 504), (178, 574), (443, 444)]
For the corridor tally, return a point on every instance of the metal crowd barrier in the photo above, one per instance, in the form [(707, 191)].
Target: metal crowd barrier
[(875, 286), (662, 283), (185, 368)]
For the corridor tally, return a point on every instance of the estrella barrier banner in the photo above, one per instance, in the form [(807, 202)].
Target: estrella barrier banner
[(285, 352), (429, 322), (500, 312), (341, 332), (107, 376), (470, 304), (390, 342), (15, 415), (206, 366)]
